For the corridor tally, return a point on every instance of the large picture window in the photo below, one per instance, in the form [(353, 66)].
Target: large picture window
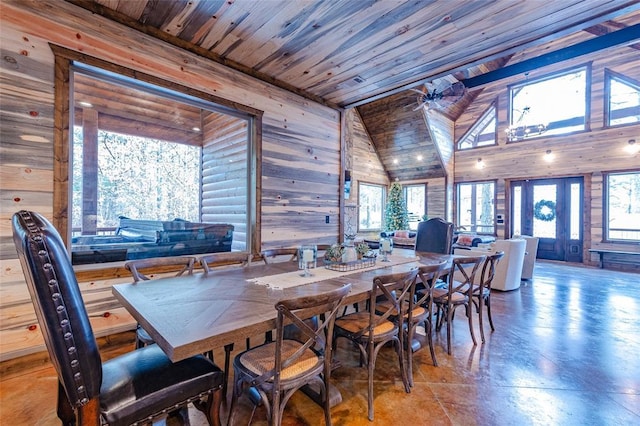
[(548, 106), (371, 198), (622, 203), (476, 207), (154, 171)]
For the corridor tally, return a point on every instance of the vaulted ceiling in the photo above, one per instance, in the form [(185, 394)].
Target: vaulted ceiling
[(367, 53)]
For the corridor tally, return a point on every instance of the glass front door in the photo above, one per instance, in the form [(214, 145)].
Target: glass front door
[(550, 209)]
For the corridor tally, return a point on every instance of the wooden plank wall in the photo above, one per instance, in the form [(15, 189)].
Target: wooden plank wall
[(224, 174), (585, 154), (301, 152), (362, 160)]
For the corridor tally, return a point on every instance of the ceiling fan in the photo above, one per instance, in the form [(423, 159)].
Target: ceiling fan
[(439, 94)]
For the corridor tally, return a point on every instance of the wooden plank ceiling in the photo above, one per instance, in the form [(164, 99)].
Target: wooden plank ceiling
[(347, 53)]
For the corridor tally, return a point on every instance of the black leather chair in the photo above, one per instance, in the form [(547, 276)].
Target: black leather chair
[(435, 236), (139, 386)]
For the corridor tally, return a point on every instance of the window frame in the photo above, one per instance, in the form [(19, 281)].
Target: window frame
[(612, 75), (483, 117), (383, 188), (65, 59), (550, 76), (404, 193), (605, 207), (459, 205)]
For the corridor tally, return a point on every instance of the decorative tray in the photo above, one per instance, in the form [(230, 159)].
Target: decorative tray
[(365, 262)]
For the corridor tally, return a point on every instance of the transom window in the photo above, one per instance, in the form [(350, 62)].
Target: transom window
[(371, 199), (622, 204), (483, 132), (476, 208), (623, 106), (547, 106)]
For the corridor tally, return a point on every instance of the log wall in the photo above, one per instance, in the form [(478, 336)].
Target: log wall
[(301, 153), (586, 154)]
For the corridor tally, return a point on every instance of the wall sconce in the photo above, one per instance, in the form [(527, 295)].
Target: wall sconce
[(632, 147), (549, 156), (480, 164)]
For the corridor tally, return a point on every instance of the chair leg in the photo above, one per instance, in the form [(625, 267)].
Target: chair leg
[(227, 360), (488, 304), (449, 320), (370, 367), (214, 401), (470, 315), (428, 329), (64, 410), (480, 320)]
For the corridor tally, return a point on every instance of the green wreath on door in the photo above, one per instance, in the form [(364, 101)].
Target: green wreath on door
[(545, 210)]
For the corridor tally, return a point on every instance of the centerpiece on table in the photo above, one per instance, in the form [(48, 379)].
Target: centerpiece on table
[(349, 257)]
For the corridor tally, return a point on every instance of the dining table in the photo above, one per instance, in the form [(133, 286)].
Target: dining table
[(192, 314)]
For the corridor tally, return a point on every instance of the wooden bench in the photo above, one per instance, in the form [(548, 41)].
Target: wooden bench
[(602, 252)]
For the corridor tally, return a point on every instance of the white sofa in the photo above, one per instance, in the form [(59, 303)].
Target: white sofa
[(509, 269)]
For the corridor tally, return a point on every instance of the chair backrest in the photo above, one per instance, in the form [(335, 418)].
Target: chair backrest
[(435, 236), (386, 297), (156, 264), (428, 275), (59, 306), (489, 271), (316, 335), (464, 269), (215, 260), (270, 255)]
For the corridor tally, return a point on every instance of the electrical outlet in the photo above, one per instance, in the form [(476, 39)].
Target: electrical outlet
[(326, 219)]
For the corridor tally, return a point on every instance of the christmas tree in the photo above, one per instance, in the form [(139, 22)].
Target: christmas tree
[(396, 215)]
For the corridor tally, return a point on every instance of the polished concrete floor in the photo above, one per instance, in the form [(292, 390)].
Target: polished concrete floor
[(566, 351)]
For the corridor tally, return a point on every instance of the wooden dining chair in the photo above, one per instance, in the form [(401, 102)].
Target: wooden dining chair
[(137, 387), (457, 293), (278, 369), (374, 328), (423, 312), (278, 254), (481, 294), (179, 265), (217, 260)]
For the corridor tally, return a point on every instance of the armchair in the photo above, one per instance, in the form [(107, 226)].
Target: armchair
[(136, 387)]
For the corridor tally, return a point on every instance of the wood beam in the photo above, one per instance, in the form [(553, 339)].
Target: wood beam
[(611, 39)]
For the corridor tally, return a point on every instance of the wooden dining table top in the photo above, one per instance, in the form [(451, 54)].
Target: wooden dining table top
[(192, 314)]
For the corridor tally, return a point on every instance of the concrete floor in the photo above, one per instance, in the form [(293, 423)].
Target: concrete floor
[(565, 352)]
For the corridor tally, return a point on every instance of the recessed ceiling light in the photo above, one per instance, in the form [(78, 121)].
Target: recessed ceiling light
[(86, 104), (420, 157), (195, 129), (395, 161)]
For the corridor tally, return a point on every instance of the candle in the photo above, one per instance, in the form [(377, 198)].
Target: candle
[(386, 245), (307, 255)]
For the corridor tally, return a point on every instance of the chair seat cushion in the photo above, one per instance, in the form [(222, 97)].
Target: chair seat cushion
[(418, 311), (143, 382), (261, 359), (440, 296), (353, 323)]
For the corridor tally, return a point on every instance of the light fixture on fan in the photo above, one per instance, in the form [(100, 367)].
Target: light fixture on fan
[(523, 128), (440, 94)]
